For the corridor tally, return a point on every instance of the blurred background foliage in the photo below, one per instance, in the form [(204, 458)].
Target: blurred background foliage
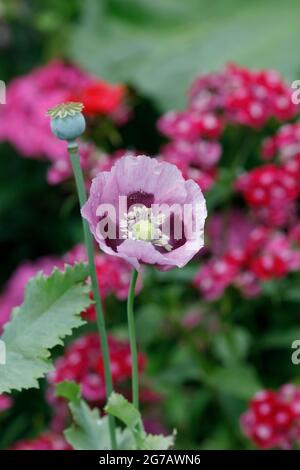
[(160, 46), (153, 45), (157, 47)]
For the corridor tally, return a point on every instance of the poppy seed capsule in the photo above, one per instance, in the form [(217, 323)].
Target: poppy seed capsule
[(67, 121), (68, 128)]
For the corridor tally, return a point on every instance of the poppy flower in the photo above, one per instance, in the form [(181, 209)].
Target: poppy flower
[(145, 212)]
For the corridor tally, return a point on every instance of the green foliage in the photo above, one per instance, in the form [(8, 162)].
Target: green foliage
[(232, 346), (119, 407), (50, 311), (240, 381), (25, 200), (90, 431), (68, 390)]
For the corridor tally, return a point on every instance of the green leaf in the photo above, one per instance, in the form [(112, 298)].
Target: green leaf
[(50, 311), (120, 408), (292, 294), (69, 390), (231, 346), (149, 322), (219, 439), (238, 381), (183, 367), (157, 442), (89, 431), (160, 46)]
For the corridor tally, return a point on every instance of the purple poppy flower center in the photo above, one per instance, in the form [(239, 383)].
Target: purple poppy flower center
[(140, 223), (144, 222)]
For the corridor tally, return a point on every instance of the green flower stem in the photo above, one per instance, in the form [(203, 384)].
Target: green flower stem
[(74, 157), (132, 339)]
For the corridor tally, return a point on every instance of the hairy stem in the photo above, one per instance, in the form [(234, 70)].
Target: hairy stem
[(74, 157), (132, 339)]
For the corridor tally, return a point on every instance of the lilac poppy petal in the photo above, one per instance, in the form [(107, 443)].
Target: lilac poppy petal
[(89, 209), (138, 251), (163, 180)]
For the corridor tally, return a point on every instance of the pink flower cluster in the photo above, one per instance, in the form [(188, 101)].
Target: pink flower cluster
[(113, 274), (271, 191), (285, 144), (273, 418), (23, 121), (243, 96), (196, 160), (46, 441), (234, 96), (249, 98), (5, 402), (24, 124), (13, 293), (82, 362), (194, 148), (259, 255)]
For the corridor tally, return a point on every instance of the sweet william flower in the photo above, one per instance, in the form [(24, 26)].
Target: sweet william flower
[(272, 418), (46, 441), (271, 191), (151, 230), (5, 403), (83, 363), (243, 96), (113, 277), (13, 293), (100, 97), (285, 144), (196, 160), (24, 124), (22, 120)]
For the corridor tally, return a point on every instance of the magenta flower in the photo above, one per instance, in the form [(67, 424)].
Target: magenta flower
[(24, 124), (5, 403), (23, 120), (46, 441), (13, 293), (272, 418), (144, 211)]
